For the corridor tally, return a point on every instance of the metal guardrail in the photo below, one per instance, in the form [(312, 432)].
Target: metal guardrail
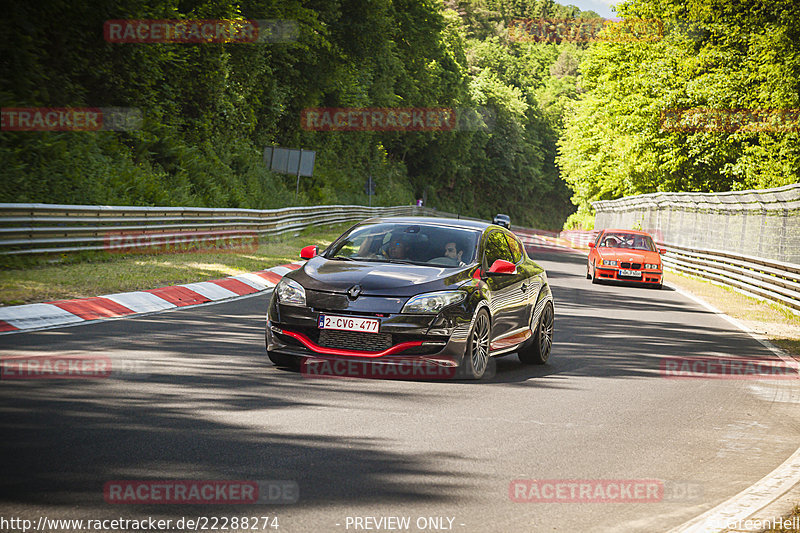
[(763, 278), (49, 228)]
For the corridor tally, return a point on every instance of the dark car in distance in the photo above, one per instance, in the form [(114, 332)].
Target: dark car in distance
[(502, 220), (442, 292)]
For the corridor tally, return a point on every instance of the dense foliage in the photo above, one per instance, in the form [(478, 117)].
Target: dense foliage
[(209, 109), (715, 54)]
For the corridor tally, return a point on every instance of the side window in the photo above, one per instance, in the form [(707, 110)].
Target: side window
[(597, 240), (497, 248), (516, 248)]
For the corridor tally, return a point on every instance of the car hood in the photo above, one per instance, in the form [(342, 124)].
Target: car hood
[(377, 279), (629, 255)]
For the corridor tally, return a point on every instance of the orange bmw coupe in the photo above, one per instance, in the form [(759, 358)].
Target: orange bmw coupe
[(625, 255)]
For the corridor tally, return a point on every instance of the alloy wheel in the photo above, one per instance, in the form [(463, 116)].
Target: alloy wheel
[(480, 344)]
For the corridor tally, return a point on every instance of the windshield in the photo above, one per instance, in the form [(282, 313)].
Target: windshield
[(628, 240), (407, 243)]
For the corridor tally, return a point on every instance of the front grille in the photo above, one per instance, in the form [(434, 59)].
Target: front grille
[(355, 340), (326, 300), (634, 266)]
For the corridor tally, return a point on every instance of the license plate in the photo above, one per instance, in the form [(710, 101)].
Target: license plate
[(631, 273), (349, 323)]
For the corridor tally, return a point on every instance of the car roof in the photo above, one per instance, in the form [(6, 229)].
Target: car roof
[(631, 231), (436, 221)]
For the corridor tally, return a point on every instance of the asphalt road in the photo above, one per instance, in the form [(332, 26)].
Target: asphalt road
[(203, 402)]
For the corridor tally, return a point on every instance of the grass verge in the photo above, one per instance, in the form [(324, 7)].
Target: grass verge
[(779, 325), (33, 280)]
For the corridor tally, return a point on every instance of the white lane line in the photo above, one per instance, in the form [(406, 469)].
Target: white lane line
[(140, 302), (749, 501), (767, 490), (764, 342), (212, 291), (37, 316)]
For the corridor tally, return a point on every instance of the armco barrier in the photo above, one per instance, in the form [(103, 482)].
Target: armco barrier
[(764, 278), (48, 228)]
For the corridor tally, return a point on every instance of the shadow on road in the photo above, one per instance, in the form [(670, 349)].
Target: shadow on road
[(189, 414)]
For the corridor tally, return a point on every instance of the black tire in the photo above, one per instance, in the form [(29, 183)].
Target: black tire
[(588, 273), (594, 276), (476, 356), (537, 351), (285, 361)]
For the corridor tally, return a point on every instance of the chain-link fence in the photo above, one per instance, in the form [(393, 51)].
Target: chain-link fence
[(761, 223)]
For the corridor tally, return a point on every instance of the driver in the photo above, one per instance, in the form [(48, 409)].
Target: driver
[(454, 252), (610, 242)]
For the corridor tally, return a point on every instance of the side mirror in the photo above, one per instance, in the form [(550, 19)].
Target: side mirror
[(662, 251), (308, 252), (502, 267), (591, 245)]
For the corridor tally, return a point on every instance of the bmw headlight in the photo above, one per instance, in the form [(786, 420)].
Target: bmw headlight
[(609, 263), (651, 266), (433, 302), (290, 292)]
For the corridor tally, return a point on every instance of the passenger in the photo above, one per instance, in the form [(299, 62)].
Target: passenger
[(397, 249)]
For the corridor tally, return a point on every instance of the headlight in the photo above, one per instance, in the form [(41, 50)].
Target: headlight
[(651, 266), (290, 292), (609, 263), (433, 302)]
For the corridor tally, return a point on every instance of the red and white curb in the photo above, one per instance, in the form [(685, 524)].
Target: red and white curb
[(19, 318)]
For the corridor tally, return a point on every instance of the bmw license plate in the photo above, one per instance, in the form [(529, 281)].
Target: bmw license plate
[(349, 323), (631, 273)]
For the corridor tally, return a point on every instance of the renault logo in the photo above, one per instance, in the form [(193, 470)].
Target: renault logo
[(354, 292)]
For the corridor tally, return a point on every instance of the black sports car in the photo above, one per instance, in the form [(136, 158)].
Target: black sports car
[(428, 291)]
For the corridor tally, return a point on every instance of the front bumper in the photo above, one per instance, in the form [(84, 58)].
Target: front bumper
[(439, 340), (649, 277)]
